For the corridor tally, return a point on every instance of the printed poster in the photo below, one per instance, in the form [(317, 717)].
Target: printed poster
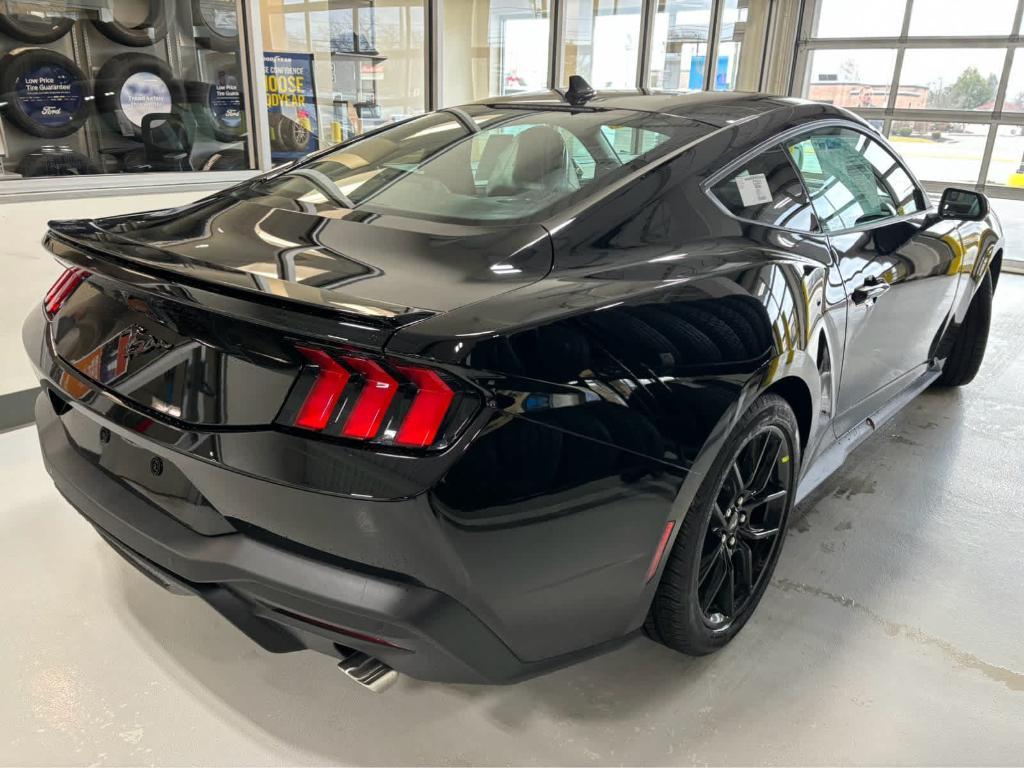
[(291, 105)]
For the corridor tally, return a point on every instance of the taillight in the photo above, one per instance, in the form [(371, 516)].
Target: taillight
[(61, 290), (428, 409), (378, 391), (327, 388), (347, 395)]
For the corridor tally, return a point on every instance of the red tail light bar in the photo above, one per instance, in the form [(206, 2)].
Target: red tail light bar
[(61, 290), (348, 395)]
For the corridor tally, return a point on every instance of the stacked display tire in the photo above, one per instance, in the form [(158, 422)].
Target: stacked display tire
[(48, 96)]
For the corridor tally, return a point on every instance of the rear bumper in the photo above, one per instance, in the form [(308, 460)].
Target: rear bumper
[(283, 600), (309, 544)]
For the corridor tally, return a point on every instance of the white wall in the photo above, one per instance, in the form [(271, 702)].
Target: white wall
[(29, 270)]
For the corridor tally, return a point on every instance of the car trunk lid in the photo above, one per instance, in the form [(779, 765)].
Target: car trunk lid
[(386, 271), (196, 314)]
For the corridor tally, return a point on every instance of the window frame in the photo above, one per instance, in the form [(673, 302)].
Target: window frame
[(1012, 43), (780, 140), (920, 193)]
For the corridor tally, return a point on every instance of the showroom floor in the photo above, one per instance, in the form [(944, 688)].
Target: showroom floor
[(891, 634)]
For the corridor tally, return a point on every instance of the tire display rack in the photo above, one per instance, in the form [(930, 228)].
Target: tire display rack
[(86, 81)]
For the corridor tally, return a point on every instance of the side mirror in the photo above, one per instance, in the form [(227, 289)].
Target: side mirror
[(963, 205)]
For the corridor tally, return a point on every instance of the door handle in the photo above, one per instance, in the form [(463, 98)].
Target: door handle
[(872, 288)]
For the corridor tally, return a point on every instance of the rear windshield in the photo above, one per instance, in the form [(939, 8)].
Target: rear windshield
[(481, 164)]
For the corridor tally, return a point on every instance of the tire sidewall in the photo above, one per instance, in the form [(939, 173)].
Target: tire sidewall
[(33, 30), (769, 410), (212, 38), (201, 99), (149, 32), (113, 76), (15, 65), (32, 163)]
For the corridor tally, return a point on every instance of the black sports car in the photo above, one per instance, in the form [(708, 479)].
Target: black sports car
[(481, 393)]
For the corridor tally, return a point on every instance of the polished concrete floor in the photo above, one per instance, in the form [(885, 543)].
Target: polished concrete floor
[(892, 634)]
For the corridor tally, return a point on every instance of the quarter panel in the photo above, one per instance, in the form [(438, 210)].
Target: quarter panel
[(616, 381)]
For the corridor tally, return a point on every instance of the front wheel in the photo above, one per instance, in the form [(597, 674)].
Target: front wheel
[(968, 351), (730, 538)]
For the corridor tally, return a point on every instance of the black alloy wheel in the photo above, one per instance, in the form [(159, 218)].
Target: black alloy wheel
[(744, 528), (730, 538)]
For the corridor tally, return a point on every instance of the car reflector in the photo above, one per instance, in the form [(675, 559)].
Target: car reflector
[(61, 290), (659, 552)]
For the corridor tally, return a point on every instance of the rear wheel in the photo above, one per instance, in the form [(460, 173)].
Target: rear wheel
[(971, 340), (731, 537)]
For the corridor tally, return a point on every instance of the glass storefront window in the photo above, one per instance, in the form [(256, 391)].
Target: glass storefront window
[(960, 78), (955, 18), (1006, 169), (337, 72), (601, 42), (120, 87), (494, 47), (679, 44), (945, 152), (741, 44), (855, 79), (1015, 85), (865, 18)]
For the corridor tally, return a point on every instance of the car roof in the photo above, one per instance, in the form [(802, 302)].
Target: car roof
[(712, 107)]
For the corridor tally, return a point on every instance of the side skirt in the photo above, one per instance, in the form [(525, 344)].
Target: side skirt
[(833, 457)]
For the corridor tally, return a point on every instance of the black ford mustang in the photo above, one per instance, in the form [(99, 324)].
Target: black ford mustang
[(484, 392)]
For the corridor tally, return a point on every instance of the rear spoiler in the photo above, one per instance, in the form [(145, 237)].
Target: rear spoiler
[(290, 307)]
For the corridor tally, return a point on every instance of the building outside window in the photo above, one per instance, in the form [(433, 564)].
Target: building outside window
[(601, 42), (943, 79), (114, 93), (494, 47)]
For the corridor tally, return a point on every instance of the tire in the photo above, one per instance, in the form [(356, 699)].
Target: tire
[(37, 113), (676, 617), (721, 335), (152, 30), (218, 106), (56, 162), (131, 84), (632, 341), (287, 135), (753, 310), (215, 17), (556, 352), (587, 453), (32, 29), (135, 161), (971, 340), (693, 345), (737, 322), (227, 160)]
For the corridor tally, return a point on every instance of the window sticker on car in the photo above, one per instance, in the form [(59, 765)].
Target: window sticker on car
[(753, 189)]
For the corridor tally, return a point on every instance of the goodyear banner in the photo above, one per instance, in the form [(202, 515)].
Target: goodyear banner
[(291, 104)]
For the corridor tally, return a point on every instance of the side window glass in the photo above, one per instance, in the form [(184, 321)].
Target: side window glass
[(892, 173), (852, 179), (767, 190)]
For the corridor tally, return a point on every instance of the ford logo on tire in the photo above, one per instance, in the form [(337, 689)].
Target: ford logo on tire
[(47, 92)]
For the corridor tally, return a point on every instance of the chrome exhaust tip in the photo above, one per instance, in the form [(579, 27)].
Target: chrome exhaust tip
[(369, 672)]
